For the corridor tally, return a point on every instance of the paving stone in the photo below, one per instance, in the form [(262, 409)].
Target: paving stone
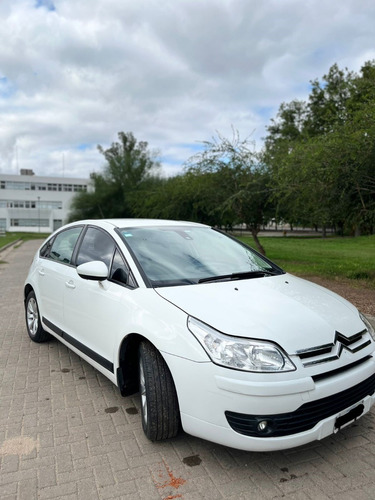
[(51, 398)]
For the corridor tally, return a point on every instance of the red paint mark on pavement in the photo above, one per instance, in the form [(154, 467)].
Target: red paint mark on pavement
[(170, 480)]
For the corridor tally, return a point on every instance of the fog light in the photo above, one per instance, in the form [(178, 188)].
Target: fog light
[(262, 426)]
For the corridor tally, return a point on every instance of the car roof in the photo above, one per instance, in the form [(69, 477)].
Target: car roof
[(125, 223)]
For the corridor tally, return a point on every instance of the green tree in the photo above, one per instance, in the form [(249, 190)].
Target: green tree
[(237, 190), (192, 196), (130, 169), (321, 153), (328, 102), (222, 185)]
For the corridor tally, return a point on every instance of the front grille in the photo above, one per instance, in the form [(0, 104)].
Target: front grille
[(303, 419), (342, 369), (331, 352)]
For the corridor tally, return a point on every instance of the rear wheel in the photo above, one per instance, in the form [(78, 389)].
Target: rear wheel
[(159, 404), (33, 320)]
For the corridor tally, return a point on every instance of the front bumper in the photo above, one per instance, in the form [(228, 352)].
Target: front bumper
[(306, 417), (302, 409)]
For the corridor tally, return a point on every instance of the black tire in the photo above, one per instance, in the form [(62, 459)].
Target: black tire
[(159, 404), (33, 320)]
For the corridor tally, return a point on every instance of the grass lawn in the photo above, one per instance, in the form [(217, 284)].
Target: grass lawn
[(9, 237), (352, 258)]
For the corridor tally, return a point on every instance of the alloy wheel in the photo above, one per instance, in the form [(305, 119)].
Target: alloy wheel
[(142, 388), (32, 316)]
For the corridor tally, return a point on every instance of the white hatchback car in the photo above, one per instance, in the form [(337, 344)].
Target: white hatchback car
[(215, 337)]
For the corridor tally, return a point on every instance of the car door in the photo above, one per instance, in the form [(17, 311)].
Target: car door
[(53, 269), (95, 312)]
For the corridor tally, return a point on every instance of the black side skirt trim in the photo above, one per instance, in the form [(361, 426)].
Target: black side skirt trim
[(86, 350)]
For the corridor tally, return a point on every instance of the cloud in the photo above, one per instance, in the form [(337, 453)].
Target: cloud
[(172, 72)]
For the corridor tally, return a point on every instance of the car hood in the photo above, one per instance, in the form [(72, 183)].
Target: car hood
[(287, 310)]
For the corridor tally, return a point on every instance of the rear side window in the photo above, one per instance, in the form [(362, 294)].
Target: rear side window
[(46, 248), (96, 245), (63, 245)]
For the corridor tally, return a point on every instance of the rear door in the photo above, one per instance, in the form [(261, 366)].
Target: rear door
[(52, 273)]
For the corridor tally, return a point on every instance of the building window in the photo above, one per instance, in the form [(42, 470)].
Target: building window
[(31, 204), (29, 222), (57, 223), (42, 186)]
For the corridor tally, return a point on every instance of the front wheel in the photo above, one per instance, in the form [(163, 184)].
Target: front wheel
[(33, 321), (159, 404)]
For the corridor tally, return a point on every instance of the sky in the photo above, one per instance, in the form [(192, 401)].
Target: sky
[(175, 73)]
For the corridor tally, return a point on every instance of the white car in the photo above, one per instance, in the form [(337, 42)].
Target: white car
[(217, 339)]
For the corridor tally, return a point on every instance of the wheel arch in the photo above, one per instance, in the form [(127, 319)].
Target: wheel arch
[(28, 288), (127, 371)]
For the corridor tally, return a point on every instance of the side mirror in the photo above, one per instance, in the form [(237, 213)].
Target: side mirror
[(95, 270)]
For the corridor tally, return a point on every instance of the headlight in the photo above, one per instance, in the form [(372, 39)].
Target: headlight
[(368, 325), (239, 353)]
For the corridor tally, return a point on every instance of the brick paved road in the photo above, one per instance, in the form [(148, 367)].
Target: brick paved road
[(65, 432)]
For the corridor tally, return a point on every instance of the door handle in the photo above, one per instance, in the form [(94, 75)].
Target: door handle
[(70, 284), (41, 272)]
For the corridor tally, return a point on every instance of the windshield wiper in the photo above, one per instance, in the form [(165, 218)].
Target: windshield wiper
[(239, 276), (176, 282)]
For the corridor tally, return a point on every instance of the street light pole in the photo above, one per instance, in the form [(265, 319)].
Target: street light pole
[(38, 214)]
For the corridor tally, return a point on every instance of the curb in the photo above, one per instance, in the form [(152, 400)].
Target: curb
[(9, 245)]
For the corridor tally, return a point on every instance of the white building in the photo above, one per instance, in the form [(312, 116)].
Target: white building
[(37, 204)]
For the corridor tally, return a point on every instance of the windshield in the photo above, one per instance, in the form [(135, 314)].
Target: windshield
[(177, 255)]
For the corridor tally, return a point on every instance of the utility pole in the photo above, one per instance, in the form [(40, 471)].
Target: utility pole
[(38, 214)]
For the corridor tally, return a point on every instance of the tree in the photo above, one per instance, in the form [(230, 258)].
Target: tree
[(170, 199), (130, 168), (321, 153), (238, 184), (193, 196), (328, 102)]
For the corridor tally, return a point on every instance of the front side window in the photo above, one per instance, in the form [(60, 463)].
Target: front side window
[(96, 245), (63, 245), (120, 272)]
